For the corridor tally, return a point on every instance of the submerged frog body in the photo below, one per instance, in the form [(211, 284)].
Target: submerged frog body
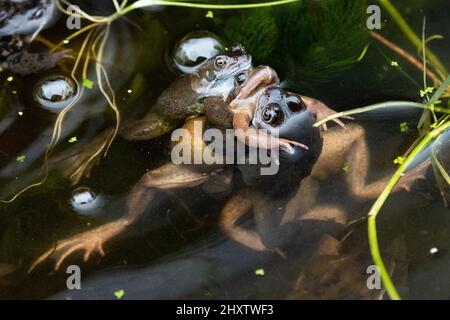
[(20, 22)]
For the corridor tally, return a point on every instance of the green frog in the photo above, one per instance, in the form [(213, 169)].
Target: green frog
[(210, 86), (20, 23)]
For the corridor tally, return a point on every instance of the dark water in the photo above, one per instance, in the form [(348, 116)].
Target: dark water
[(177, 249)]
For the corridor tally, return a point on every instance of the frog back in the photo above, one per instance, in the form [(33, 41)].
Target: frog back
[(179, 101)]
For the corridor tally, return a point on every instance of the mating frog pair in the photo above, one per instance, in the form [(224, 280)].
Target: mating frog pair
[(214, 84), (254, 100)]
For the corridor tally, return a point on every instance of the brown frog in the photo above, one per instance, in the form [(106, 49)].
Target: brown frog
[(342, 146), (210, 85), (297, 125)]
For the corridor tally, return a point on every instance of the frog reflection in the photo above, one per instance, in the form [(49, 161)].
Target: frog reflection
[(213, 82)]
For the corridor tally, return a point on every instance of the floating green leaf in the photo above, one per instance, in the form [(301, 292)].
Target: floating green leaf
[(404, 127), (119, 293), (260, 272), (73, 139), (88, 84)]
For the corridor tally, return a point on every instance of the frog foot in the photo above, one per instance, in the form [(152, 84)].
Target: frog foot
[(286, 145), (322, 111), (90, 242)]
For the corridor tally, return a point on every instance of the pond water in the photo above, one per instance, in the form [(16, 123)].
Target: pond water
[(177, 249)]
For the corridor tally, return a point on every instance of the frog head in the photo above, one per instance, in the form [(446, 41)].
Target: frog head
[(284, 114), (222, 73)]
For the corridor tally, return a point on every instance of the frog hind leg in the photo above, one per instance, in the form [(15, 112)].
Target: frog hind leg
[(238, 206), (358, 161), (151, 126), (169, 176)]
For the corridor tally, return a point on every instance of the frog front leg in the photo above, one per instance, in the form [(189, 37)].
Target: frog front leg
[(322, 111), (153, 125), (77, 162), (169, 176)]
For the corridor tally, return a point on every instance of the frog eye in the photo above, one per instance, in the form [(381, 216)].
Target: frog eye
[(241, 78), (220, 62), (272, 114), (295, 104)]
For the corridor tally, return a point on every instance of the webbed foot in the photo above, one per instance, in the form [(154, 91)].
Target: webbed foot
[(322, 111), (90, 242)]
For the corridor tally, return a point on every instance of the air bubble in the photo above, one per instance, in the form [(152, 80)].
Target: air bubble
[(194, 49), (54, 93), (85, 201)]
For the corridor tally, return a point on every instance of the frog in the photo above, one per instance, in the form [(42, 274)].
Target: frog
[(213, 83), (343, 146), (20, 23), (217, 177), (243, 107)]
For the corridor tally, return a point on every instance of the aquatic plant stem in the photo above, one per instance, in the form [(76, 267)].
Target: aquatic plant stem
[(383, 105), (411, 35), (410, 58), (148, 3), (374, 211)]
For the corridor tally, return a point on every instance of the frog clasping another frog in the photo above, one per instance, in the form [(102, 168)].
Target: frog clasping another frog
[(270, 108), (210, 85)]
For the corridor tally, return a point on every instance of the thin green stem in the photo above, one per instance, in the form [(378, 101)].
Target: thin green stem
[(411, 35), (149, 3), (383, 105), (374, 211)]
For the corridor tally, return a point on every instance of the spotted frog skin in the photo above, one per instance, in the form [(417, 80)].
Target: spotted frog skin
[(20, 22), (215, 80), (275, 110)]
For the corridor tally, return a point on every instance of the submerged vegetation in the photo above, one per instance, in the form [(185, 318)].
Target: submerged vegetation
[(329, 37)]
